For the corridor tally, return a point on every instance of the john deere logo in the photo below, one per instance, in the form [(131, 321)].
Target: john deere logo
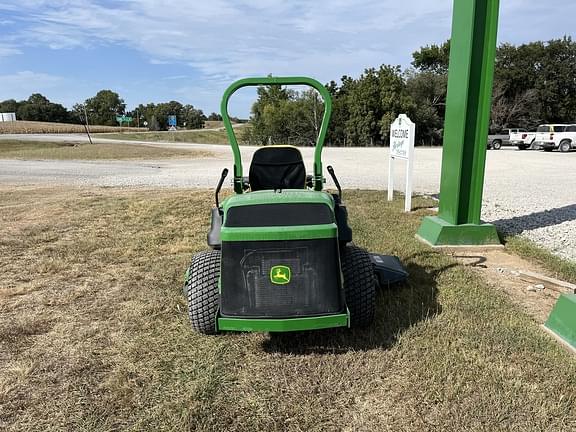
[(280, 275)]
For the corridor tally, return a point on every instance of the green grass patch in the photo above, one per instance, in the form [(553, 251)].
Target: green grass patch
[(200, 136), (94, 333), (559, 267), (24, 149)]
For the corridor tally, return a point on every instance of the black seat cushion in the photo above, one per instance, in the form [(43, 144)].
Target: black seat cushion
[(277, 167)]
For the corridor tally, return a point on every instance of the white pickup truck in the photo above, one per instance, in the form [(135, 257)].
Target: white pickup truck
[(556, 136), (499, 138), (523, 139)]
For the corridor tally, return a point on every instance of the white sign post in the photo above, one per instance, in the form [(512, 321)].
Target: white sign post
[(402, 147)]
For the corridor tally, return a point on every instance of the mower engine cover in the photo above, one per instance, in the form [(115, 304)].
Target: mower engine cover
[(280, 256)]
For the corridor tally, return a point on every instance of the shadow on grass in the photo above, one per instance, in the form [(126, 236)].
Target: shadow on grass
[(397, 309)]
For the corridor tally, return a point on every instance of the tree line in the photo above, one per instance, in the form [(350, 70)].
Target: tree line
[(534, 83), (103, 108)]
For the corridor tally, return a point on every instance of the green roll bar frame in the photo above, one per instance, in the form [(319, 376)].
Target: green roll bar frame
[(252, 82)]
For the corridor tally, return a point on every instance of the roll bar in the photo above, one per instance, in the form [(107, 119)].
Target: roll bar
[(251, 82)]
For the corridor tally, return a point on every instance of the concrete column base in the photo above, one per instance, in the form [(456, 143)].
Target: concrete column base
[(437, 232), (562, 320)]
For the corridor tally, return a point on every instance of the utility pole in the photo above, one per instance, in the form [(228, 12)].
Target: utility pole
[(86, 127)]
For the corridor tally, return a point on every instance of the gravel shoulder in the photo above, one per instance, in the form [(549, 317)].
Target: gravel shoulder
[(526, 193)]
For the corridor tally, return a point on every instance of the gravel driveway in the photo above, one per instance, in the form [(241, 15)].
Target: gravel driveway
[(526, 192)]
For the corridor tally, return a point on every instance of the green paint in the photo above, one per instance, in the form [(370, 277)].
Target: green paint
[(282, 325), (562, 319), (472, 54), (297, 232), (287, 196), (438, 232), (280, 275), (318, 179)]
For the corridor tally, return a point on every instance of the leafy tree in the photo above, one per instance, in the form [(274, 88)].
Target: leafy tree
[(556, 85), (432, 58), (103, 108), (153, 124), (364, 110), (9, 106), (194, 118), (267, 125), (165, 109), (522, 110), (157, 115), (39, 108), (146, 113), (284, 116), (428, 91), (534, 83), (374, 101), (337, 128), (214, 117)]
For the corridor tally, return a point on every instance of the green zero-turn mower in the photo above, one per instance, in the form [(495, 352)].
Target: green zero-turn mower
[(281, 256)]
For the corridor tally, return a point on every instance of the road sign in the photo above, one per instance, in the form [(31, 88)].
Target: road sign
[(171, 120), (123, 119), (402, 133)]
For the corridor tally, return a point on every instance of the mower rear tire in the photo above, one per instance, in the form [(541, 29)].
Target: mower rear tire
[(201, 290), (359, 285)]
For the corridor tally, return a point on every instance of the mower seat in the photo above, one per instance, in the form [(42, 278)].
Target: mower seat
[(277, 167)]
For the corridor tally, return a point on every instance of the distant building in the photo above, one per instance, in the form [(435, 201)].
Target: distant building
[(7, 117)]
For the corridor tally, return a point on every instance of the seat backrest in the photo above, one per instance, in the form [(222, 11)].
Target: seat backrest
[(277, 167)]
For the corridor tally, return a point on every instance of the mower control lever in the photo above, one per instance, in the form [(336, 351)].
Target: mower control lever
[(222, 177), (331, 172)]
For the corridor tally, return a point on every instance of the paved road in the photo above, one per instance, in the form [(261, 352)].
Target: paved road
[(527, 192)]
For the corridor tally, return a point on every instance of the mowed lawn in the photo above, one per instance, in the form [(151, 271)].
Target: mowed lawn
[(94, 333), (204, 136), (24, 149)]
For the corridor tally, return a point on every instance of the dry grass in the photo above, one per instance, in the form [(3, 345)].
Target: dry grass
[(32, 127), (94, 333), (15, 149), (213, 124)]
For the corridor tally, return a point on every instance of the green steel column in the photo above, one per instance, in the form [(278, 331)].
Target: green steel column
[(472, 54)]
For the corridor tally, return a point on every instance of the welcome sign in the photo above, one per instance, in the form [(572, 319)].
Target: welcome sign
[(402, 133)]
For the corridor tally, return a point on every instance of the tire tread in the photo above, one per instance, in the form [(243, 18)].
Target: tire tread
[(359, 285), (201, 289)]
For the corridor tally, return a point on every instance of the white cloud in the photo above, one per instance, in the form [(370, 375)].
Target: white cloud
[(7, 50), (226, 39), (24, 83), (223, 40)]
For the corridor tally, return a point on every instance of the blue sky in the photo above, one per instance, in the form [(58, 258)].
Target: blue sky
[(156, 51)]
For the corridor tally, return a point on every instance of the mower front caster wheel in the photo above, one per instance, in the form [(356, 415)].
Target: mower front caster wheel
[(359, 285), (201, 290)]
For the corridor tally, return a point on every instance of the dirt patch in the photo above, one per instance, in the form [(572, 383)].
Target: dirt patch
[(499, 269)]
